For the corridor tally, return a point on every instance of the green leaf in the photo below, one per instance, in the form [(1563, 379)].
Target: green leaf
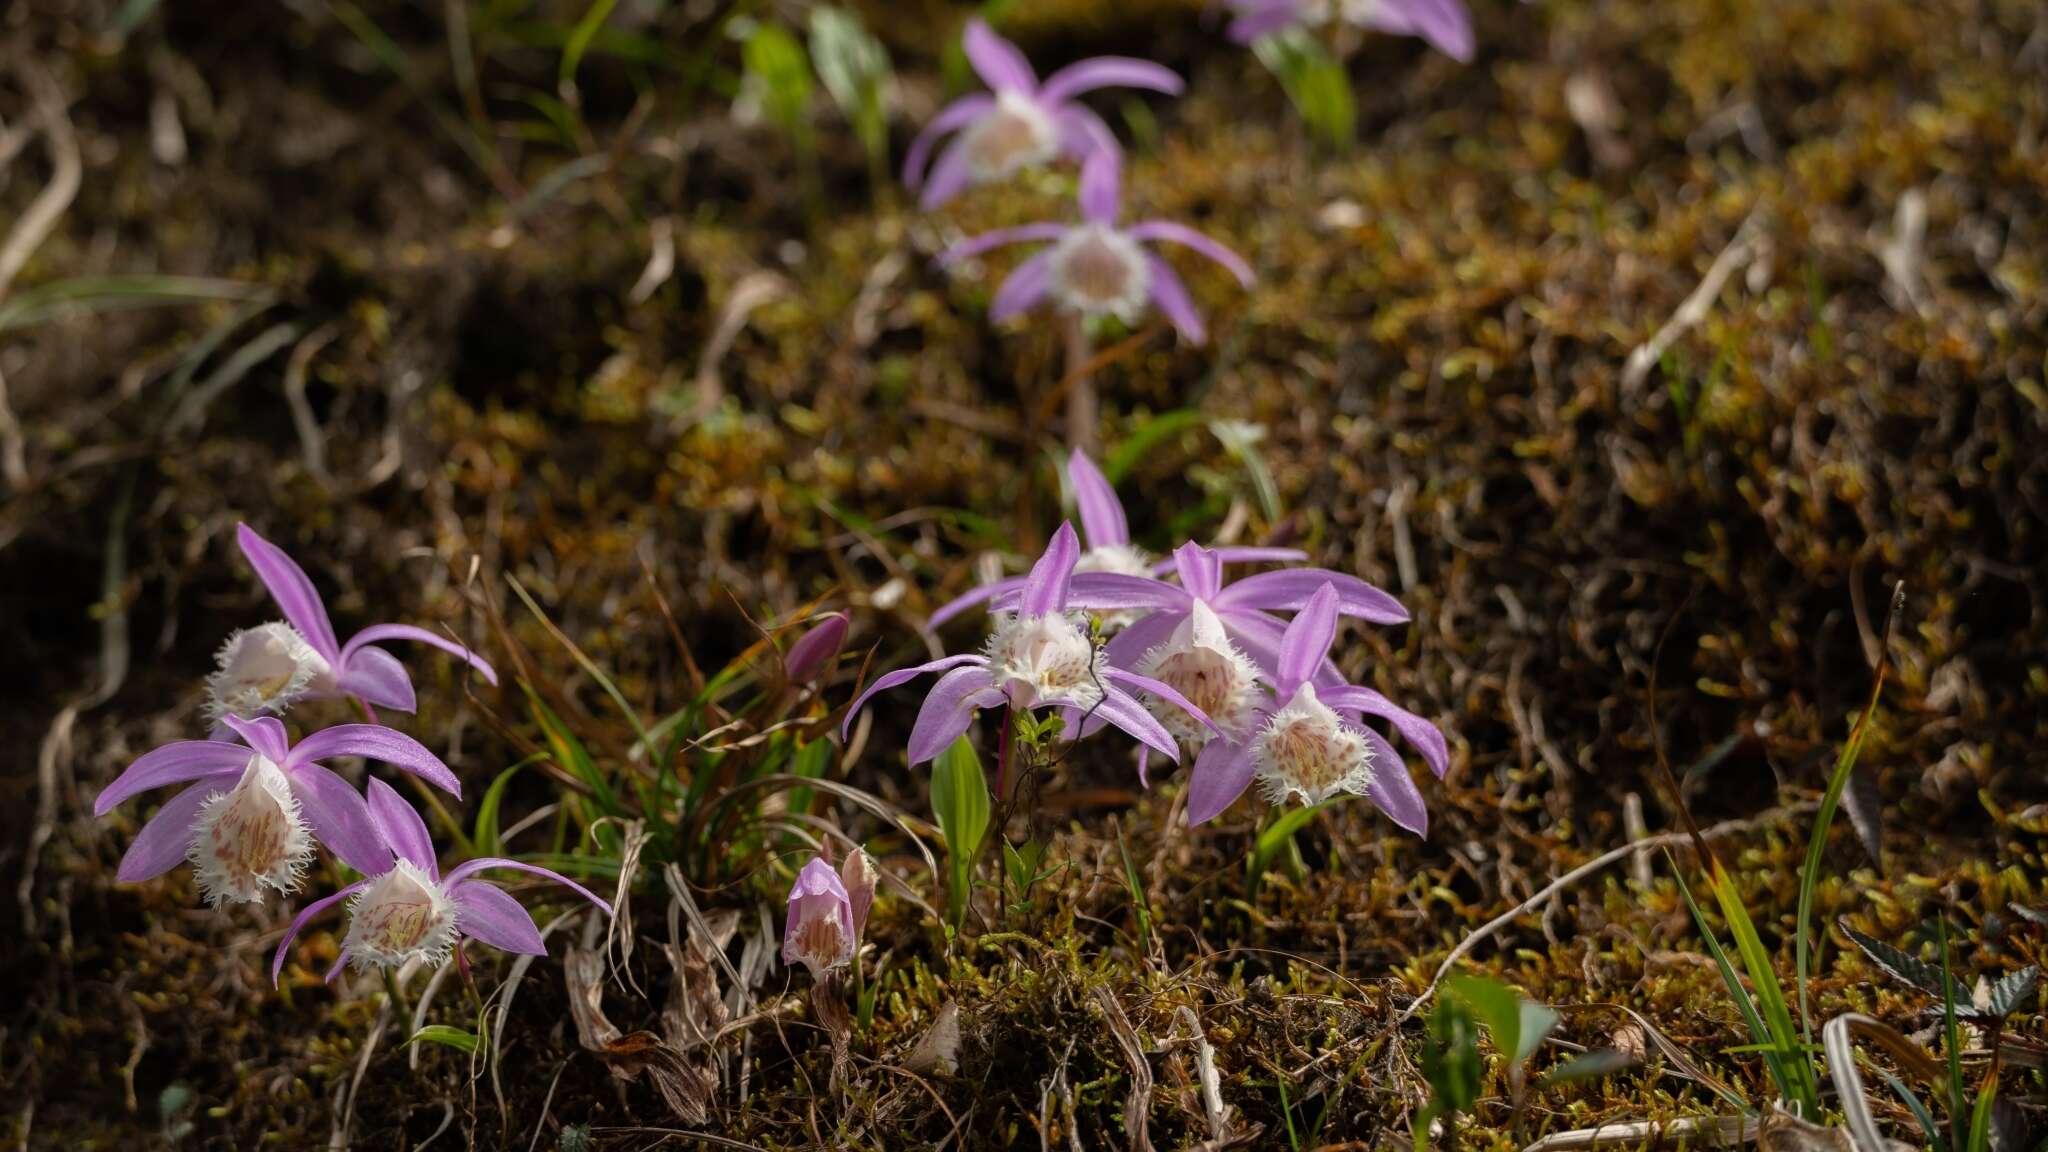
[(1736, 991), (960, 804), (855, 68), (579, 41), (118, 293), (446, 1036), (1450, 1057), (2013, 991), (1276, 836), (486, 835), (1592, 1065), (1496, 1006), (1315, 83), (1896, 962), (1146, 438), (1537, 1021), (776, 62)]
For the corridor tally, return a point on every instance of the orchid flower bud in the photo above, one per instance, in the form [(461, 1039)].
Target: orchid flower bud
[(813, 653), (820, 932)]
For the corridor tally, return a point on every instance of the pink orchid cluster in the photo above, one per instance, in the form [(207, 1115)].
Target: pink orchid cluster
[(256, 805), (1093, 268), (1190, 660)]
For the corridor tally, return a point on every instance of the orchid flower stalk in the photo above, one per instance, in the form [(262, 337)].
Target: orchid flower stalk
[(1040, 656), (406, 909), (252, 812), (1444, 24), (269, 668), (1106, 530), (1019, 123)]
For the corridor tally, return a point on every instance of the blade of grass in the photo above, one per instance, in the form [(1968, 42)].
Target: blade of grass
[(1952, 1040), (1845, 765), (1734, 983)]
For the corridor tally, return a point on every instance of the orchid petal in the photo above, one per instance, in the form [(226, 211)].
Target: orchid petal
[(1045, 589), (401, 827), (339, 818), (1201, 573), (292, 589), (1000, 237), (378, 743), (953, 117), (265, 734), (1082, 133), (1392, 790), (1306, 642), (814, 651), (1288, 591), (1186, 237), (997, 61), (470, 868), (1165, 692), (1102, 187), (1134, 640), (1229, 555), (1171, 297), (172, 764), (305, 917), (1022, 289), (1426, 737), (890, 680), (490, 914), (1221, 773), (1107, 72), (949, 709), (1102, 514), (949, 177), (969, 599), (1123, 710), (164, 840), (375, 677), (378, 633), (1119, 592)]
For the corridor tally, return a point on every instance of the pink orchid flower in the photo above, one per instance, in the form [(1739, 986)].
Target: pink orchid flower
[(1020, 123), (828, 911), (254, 810), (406, 909)]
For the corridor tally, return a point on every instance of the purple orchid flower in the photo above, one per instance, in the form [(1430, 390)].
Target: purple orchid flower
[(1300, 744), (1445, 24), (271, 667), (1108, 536), (406, 909), (1040, 656), (1021, 123), (1193, 634), (813, 653), (828, 911), (251, 816), (1096, 268)]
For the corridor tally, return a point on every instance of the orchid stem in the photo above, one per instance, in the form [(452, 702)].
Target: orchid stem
[(1084, 408), (1006, 748)]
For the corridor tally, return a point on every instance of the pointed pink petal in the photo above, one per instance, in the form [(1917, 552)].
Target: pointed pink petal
[(953, 117), (292, 589), (1107, 72), (1082, 133), (378, 633), (1022, 289), (1425, 736), (488, 913), (172, 764), (949, 177), (263, 733), (1102, 514), (1165, 692), (375, 677), (1201, 573), (1045, 589), (163, 841), (1187, 237), (1129, 646), (304, 918), (890, 680), (969, 599), (816, 649), (399, 823), (1306, 642), (1171, 297), (1102, 187), (948, 710), (1000, 237), (1221, 773), (1288, 590), (998, 62), (1392, 790), (339, 818), (464, 871), (1123, 710), (378, 743)]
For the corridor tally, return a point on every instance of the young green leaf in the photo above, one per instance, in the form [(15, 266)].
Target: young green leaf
[(446, 1036), (960, 804), (855, 69), (1315, 83)]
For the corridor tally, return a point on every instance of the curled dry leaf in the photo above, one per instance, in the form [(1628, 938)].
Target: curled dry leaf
[(939, 1049)]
